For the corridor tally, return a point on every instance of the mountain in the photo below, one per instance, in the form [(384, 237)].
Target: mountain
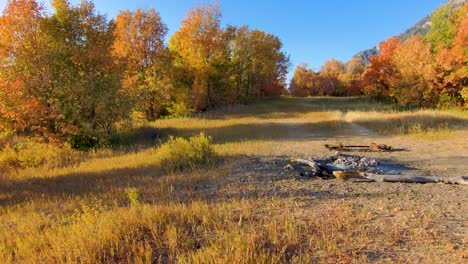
[(421, 28)]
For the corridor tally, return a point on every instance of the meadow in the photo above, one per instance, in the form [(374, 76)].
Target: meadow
[(222, 195)]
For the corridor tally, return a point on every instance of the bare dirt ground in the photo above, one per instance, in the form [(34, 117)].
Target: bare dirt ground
[(261, 173)]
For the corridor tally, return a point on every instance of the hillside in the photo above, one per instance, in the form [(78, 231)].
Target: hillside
[(420, 28)]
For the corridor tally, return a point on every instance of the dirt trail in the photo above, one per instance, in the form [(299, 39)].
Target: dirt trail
[(358, 129)]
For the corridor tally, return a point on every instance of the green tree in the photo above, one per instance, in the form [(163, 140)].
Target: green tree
[(86, 80), (444, 24)]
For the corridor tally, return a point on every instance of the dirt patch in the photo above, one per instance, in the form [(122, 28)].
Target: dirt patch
[(259, 177)]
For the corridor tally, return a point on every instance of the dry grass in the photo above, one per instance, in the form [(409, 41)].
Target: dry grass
[(122, 206), (420, 123), (248, 231)]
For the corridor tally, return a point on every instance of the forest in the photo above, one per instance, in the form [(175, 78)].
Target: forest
[(425, 70), (73, 75)]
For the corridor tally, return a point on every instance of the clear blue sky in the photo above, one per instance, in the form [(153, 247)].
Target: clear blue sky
[(312, 31)]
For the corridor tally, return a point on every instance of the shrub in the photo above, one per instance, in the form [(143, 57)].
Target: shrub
[(29, 154), (180, 153), (448, 101), (174, 109), (464, 95)]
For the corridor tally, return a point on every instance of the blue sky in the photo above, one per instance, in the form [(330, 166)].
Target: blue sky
[(312, 31)]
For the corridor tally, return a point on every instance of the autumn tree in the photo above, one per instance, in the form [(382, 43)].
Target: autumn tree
[(413, 80), (351, 78), (61, 67), (26, 104), (302, 81), (240, 46), (452, 61), (330, 77), (199, 48), (375, 79), (147, 63), (86, 83), (268, 63)]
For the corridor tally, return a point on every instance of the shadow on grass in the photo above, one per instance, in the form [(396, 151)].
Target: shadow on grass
[(280, 131), (152, 136), (155, 186), (74, 184), (287, 107)]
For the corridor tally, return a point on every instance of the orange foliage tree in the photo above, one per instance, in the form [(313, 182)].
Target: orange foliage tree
[(375, 79), (412, 82), (302, 81), (351, 79), (58, 77), (25, 101), (140, 50), (199, 48)]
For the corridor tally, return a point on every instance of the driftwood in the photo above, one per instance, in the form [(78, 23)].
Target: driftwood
[(315, 167), (415, 179), (374, 147), (320, 169)]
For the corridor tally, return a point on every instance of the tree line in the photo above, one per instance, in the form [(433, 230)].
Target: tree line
[(429, 70), (73, 74)]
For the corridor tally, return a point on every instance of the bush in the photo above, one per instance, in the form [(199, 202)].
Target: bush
[(29, 154), (448, 101), (464, 95), (174, 109), (180, 154)]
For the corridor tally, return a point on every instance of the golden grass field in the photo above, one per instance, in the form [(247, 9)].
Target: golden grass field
[(123, 205)]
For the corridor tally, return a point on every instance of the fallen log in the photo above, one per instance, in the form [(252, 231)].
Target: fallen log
[(372, 147), (319, 169), (414, 179), (316, 168), (312, 164)]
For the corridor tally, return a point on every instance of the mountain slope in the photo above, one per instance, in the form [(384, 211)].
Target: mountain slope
[(420, 28)]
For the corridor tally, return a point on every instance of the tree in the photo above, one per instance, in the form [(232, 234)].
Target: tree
[(444, 24), (351, 78), (452, 72), (25, 103), (268, 64), (330, 73), (302, 81), (86, 80), (375, 79), (146, 62), (199, 47), (413, 81), (61, 68), (355, 66)]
